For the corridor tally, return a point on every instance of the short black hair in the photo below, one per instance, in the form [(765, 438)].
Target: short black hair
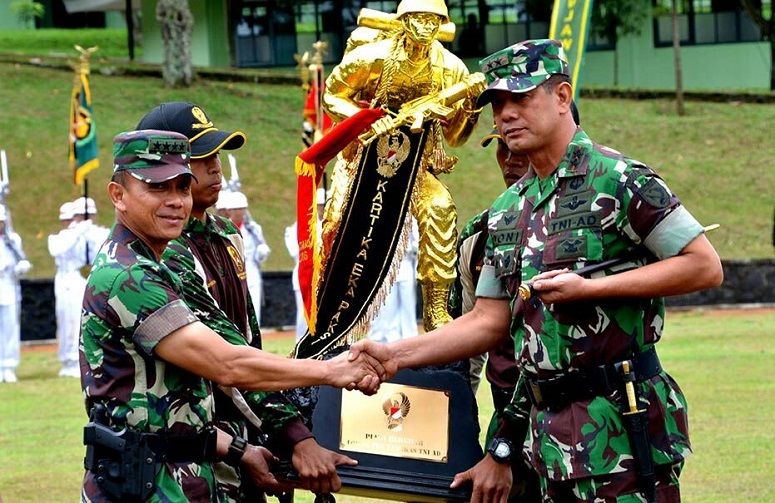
[(118, 177)]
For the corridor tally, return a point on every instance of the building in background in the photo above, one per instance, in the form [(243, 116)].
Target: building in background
[(268, 33)]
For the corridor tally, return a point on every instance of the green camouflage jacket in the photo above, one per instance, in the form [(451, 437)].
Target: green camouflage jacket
[(597, 205), (131, 303), (222, 302), (209, 259)]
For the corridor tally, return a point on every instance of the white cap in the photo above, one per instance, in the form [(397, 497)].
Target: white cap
[(66, 211), (80, 204), (237, 201), (3, 212), (222, 202), (228, 200), (321, 196)]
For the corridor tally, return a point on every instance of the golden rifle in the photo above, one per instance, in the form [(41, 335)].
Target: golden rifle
[(435, 106), (379, 20)]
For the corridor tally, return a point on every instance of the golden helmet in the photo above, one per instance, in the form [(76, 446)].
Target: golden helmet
[(433, 6)]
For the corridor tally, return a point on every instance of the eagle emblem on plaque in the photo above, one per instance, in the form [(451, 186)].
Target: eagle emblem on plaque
[(396, 408), (392, 150)]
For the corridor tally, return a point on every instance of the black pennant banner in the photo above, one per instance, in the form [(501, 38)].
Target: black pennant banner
[(370, 230)]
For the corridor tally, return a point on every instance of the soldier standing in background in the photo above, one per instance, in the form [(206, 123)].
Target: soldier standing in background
[(13, 266), (502, 369), (256, 248), (73, 249)]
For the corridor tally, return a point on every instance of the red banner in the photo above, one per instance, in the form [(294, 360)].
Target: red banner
[(310, 165)]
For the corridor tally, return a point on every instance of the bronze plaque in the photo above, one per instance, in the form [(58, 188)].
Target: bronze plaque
[(400, 421)]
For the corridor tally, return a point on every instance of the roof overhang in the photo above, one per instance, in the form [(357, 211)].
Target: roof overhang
[(98, 5)]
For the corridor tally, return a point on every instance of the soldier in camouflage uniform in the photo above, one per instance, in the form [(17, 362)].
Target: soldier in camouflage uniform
[(209, 259), (148, 363), (579, 339)]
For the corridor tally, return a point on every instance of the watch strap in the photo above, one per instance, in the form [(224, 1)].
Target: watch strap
[(236, 451), (496, 444)]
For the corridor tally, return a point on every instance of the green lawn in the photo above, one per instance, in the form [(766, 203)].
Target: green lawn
[(722, 360), (717, 158)]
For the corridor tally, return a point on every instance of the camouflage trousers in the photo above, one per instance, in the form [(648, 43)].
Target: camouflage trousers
[(621, 487)]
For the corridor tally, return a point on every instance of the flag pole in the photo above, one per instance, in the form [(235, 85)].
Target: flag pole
[(82, 139)]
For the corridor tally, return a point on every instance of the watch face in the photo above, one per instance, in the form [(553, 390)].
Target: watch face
[(502, 450)]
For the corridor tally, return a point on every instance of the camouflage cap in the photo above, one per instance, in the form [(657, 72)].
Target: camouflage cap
[(151, 155), (522, 67)]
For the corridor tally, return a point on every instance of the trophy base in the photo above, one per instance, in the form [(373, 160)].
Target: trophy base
[(408, 449)]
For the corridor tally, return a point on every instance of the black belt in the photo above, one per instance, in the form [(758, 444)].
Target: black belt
[(174, 448), (558, 392), (196, 448)]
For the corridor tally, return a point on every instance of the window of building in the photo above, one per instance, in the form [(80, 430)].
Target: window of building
[(706, 22)]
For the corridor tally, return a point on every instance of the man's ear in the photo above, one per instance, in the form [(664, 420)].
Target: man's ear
[(564, 92), (116, 192)]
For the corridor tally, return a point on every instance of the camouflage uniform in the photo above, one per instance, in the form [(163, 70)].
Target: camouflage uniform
[(218, 294), (131, 303), (501, 370), (596, 205)]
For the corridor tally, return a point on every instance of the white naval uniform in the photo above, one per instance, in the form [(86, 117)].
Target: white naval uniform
[(292, 244), (256, 252), (12, 268), (69, 249), (397, 319)]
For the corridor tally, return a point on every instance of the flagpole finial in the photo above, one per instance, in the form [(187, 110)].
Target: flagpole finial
[(85, 53), (82, 66), (303, 62), (321, 48)]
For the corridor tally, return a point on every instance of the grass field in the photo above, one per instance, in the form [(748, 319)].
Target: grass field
[(722, 360), (717, 158)]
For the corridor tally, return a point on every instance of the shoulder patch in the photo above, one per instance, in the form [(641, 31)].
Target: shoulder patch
[(654, 193)]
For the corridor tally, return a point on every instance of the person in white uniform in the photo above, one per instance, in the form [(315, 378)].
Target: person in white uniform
[(397, 318), (256, 248), (73, 249), (13, 266)]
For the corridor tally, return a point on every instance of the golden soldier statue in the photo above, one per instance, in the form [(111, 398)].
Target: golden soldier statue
[(394, 68)]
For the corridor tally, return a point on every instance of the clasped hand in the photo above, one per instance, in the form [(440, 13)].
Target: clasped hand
[(357, 370), (379, 356)]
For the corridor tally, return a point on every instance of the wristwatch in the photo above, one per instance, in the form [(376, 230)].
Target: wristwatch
[(500, 449), (236, 451)]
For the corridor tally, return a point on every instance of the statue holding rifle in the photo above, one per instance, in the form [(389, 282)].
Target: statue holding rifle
[(406, 72)]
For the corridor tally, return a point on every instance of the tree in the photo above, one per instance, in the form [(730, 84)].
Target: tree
[(27, 11), (612, 19), (679, 86), (177, 25), (756, 12)]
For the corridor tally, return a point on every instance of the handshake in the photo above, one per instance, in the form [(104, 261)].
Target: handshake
[(364, 367)]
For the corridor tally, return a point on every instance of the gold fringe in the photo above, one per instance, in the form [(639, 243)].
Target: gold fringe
[(303, 168), (361, 328)]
